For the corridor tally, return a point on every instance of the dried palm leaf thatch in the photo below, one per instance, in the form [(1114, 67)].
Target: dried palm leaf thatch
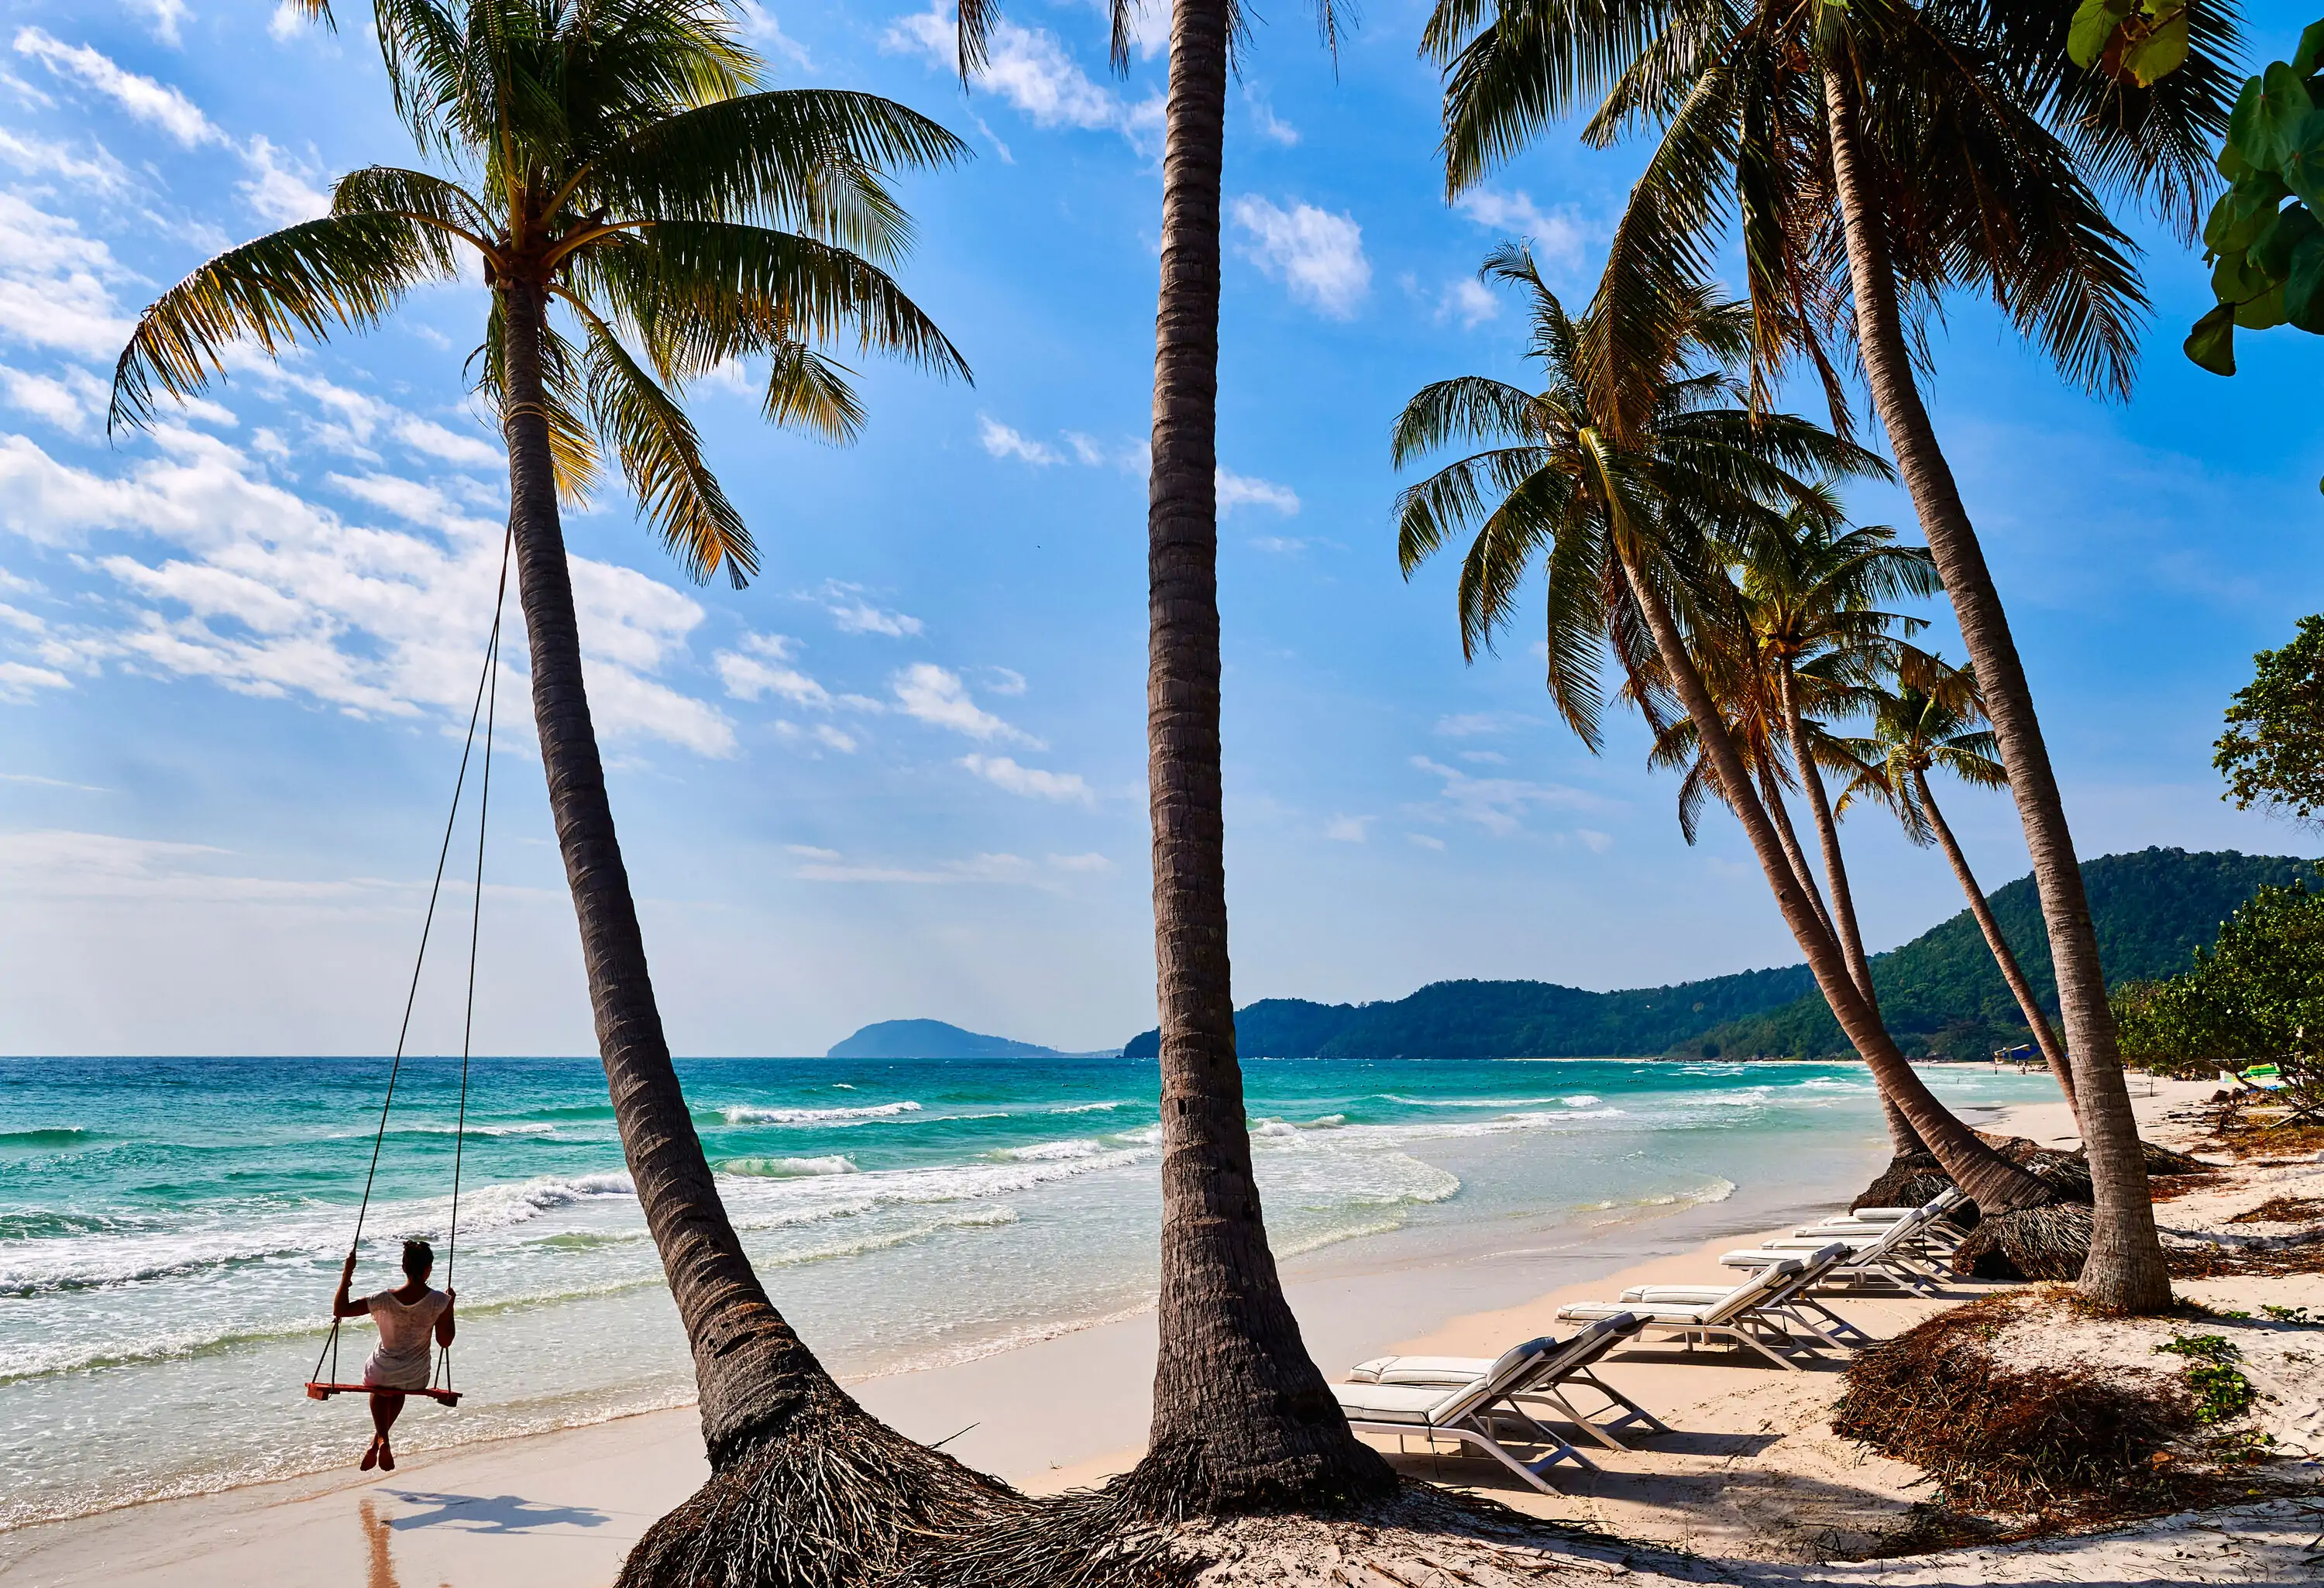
[(2049, 1242), (828, 1496), (1999, 1439)]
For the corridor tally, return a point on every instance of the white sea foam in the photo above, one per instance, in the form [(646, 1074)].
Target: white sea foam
[(1048, 1151), (1088, 1108), (836, 1163), (751, 1114)]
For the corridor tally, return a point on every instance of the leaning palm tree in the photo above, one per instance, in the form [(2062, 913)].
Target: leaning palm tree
[(642, 217), (1242, 1419), (1882, 154), (1629, 528), (1934, 723)]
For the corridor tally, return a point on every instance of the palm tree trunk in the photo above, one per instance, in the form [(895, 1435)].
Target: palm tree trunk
[(1243, 1420), (2019, 987), (1992, 1180), (1835, 867), (2126, 1272), (805, 1482)]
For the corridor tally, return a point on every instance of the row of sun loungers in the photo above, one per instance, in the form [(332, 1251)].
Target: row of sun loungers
[(1490, 1404)]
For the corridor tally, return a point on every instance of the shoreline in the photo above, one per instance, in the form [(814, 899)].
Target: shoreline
[(562, 1506)]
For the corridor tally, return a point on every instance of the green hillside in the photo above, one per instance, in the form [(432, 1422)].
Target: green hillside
[(1940, 992)]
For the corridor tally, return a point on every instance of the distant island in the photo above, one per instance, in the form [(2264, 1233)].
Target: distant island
[(1940, 994), (931, 1039)]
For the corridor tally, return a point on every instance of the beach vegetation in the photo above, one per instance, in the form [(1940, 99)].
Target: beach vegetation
[(1243, 1420), (1626, 477), (641, 214), (1881, 156), (2273, 752)]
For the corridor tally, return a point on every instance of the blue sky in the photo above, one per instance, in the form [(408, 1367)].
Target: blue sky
[(903, 773)]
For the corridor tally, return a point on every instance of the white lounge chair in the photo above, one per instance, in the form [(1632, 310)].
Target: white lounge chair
[(1467, 1413), (1793, 1302), (1892, 1259), (1737, 1315), (1570, 1365)]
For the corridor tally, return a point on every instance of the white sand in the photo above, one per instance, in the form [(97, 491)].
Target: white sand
[(1751, 1471)]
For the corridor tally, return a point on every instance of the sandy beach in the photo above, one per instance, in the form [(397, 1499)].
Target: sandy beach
[(1752, 1472)]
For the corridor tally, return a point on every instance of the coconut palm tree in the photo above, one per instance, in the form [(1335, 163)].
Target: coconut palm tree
[(1630, 530), (1880, 155), (1934, 723), (642, 216), (1243, 1420)]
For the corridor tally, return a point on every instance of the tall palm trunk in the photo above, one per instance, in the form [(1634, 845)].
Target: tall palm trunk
[(1841, 919), (1992, 1180), (2019, 987), (1835, 866), (748, 1365), (1243, 1420), (2126, 1270)]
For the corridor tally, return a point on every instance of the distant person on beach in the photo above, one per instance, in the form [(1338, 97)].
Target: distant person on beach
[(407, 1316)]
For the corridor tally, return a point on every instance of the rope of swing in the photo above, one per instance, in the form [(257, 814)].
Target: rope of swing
[(487, 686)]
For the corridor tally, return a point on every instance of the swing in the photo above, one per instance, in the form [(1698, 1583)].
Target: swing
[(324, 1385)]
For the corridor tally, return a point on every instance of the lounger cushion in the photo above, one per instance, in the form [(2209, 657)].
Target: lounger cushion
[(1447, 1371), (1389, 1403)]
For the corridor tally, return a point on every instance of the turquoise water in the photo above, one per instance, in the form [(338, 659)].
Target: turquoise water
[(170, 1229)]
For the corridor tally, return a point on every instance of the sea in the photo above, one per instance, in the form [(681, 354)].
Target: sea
[(170, 1229)]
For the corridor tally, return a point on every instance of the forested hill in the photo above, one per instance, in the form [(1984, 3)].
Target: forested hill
[(1940, 992)]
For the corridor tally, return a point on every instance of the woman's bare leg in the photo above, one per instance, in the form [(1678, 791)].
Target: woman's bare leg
[(386, 1405)]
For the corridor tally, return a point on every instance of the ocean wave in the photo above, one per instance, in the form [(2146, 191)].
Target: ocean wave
[(1581, 1100), (48, 1136), (750, 1114), (1472, 1102), (837, 1163), (1048, 1151), (523, 1127), (1089, 1108)]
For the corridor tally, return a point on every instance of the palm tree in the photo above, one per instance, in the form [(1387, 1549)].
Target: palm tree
[(1629, 528), (617, 171), (1882, 154), (1933, 722), (1243, 1420)]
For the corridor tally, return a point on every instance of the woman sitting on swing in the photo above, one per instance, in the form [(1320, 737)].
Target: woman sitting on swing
[(407, 1316)]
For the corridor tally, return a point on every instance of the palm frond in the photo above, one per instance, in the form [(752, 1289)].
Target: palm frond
[(344, 272)]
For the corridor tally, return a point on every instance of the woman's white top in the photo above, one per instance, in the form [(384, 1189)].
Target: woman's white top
[(406, 1331)]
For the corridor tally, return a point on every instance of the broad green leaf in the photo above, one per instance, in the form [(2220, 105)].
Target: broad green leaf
[(2212, 342), (2231, 162), (2311, 53), (2247, 125), (2160, 53), (2236, 279), (2283, 100), (2243, 212), (2303, 158), (2263, 313), (2303, 294), (2272, 251), (2094, 25)]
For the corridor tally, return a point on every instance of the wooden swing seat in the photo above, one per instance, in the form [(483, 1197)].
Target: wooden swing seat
[(316, 1390)]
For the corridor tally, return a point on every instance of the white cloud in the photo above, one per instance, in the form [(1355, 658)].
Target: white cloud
[(1596, 842), (1003, 681), (1281, 545), (1263, 117), (762, 668), (1081, 862), (53, 284), (141, 98), (852, 614), (166, 15), (278, 189), (1498, 804), (1558, 236), (18, 681), (760, 28), (932, 695), (40, 158), (1469, 301), (288, 20), (1029, 68), (1002, 441), (1242, 491), (1426, 842), (1349, 829), (1319, 255), (265, 593), (70, 400), (1468, 725), (63, 865), (827, 865), (426, 436), (833, 738), (1003, 773)]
